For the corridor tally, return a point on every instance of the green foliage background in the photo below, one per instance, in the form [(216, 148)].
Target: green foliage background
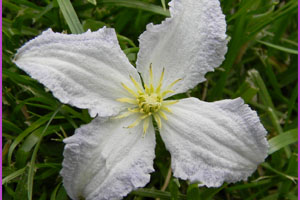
[(260, 66)]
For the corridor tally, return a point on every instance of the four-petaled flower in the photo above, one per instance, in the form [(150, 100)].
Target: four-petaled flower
[(106, 159)]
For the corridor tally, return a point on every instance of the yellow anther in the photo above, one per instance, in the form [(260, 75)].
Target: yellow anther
[(147, 101), (129, 90), (127, 100)]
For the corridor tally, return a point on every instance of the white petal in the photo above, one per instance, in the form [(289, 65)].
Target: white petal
[(104, 160), (84, 70), (188, 45), (214, 142)]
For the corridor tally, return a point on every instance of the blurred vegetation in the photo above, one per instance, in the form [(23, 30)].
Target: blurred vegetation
[(260, 66)]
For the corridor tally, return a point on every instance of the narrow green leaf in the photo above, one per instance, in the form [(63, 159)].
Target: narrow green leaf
[(131, 50), (246, 91), (43, 196), (155, 194), (70, 16), (34, 154), (248, 185), (53, 195), (138, 5), (122, 38), (13, 175), (292, 169), (9, 126), (289, 7), (23, 152), (51, 172), (234, 47), (258, 81), (278, 142), (21, 190), (26, 132), (278, 128), (93, 25), (291, 104), (209, 193), (163, 3), (173, 189), (61, 194), (275, 120), (193, 192), (280, 48), (267, 166), (93, 2)]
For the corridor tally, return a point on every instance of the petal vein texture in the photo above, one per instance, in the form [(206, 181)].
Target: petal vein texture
[(188, 45), (104, 160), (214, 142), (83, 70)]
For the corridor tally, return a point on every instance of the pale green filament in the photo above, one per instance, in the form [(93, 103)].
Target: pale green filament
[(148, 101)]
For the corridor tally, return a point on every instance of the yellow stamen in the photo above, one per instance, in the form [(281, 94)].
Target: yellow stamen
[(137, 86), (129, 90), (151, 74), (171, 102), (166, 92), (146, 125), (135, 110), (158, 120), (127, 100), (126, 114), (147, 90), (162, 115), (166, 109), (136, 122), (160, 81), (172, 84), (151, 79), (148, 100)]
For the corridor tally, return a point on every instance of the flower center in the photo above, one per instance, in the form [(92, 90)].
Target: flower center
[(147, 101), (149, 104)]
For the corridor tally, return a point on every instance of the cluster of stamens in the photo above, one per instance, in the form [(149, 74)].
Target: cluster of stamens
[(148, 101)]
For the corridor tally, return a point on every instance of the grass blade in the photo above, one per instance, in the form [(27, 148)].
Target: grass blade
[(94, 2), (34, 154), (53, 195), (13, 175), (283, 140), (163, 3), (258, 81), (280, 48), (70, 16), (155, 194), (139, 5), (26, 132), (267, 166)]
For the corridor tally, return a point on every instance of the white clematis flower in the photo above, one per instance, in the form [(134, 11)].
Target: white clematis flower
[(113, 155)]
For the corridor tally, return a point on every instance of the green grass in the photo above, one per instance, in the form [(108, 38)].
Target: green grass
[(260, 66)]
